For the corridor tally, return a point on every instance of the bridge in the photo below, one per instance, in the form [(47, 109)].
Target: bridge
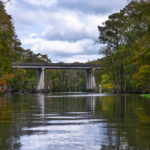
[(89, 68)]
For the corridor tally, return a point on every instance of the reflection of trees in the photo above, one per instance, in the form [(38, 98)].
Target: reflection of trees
[(14, 116), (66, 104), (8, 135), (113, 109), (72, 104), (125, 119), (128, 121)]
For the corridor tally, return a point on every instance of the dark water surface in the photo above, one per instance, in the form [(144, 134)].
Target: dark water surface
[(74, 122)]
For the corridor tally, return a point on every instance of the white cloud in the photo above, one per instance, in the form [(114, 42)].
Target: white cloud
[(80, 58), (65, 30), (40, 45), (59, 25), (73, 26), (64, 51)]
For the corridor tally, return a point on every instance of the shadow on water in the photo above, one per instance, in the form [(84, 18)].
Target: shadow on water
[(104, 122)]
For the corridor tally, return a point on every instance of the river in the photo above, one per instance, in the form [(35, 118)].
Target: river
[(74, 121)]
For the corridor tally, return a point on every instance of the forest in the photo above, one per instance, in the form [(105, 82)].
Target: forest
[(124, 41)]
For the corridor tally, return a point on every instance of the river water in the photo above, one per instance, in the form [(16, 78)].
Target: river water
[(74, 121)]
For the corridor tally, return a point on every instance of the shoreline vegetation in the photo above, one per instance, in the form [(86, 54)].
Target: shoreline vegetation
[(145, 95), (126, 66)]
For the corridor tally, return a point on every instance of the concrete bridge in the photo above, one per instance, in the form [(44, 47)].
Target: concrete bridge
[(90, 68)]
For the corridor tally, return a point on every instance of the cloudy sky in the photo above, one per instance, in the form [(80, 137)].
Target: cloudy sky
[(65, 30)]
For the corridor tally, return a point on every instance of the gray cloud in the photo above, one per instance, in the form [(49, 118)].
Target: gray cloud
[(65, 30), (86, 6), (73, 27), (92, 6)]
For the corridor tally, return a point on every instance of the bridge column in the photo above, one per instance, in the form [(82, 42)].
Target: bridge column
[(90, 81), (40, 85)]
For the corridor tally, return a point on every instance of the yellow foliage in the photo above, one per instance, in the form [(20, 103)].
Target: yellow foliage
[(108, 86), (106, 83)]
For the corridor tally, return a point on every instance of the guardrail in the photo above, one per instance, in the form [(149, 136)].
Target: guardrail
[(56, 65)]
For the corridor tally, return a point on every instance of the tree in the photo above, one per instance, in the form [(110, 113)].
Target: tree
[(125, 36), (11, 51)]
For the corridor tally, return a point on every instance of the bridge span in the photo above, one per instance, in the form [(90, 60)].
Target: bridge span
[(89, 68)]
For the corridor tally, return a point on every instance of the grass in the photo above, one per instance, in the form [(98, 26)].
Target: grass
[(145, 95)]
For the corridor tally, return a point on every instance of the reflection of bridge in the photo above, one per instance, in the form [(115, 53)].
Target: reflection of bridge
[(90, 68), (90, 103)]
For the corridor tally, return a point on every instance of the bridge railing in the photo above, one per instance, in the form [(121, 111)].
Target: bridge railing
[(58, 64)]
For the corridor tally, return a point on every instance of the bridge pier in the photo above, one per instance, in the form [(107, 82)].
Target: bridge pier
[(40, 85), (90, 81)]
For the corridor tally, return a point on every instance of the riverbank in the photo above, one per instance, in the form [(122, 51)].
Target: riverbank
[(145, 95)]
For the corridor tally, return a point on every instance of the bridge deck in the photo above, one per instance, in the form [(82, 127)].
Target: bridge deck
[(56, 66)]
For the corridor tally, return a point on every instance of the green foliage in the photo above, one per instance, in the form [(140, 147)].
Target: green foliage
[(126, 36), (65, 80), (143, 78), (11, 51), (145, 95), (107, 86)]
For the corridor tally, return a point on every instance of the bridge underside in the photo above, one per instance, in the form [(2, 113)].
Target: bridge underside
[(90, 68)]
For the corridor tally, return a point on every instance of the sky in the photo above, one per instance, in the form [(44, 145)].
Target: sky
[(65, 30)]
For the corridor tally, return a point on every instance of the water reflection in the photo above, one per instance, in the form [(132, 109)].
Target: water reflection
[(91, 102), (38, 122), (41, 103)]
